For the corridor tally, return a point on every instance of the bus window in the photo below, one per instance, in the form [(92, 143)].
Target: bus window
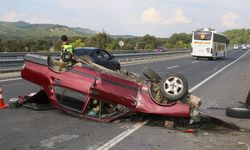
[(202, 35)]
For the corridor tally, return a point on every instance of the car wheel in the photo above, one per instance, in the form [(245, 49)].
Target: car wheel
[(238, 112), (151, 75), (174, 86)]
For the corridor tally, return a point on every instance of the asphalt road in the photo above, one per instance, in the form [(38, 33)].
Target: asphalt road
[(52, 129)]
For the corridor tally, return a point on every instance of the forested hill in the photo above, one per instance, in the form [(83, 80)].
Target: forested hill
[(37, 31)]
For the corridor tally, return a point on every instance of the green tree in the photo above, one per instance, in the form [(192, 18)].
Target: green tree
[(168, 45), (43, 45), (12, 45), (1, 47), (78, 43), (129, 46), (113, 45), (57, 45), (238, 36), (180, 44), (102, 40), (29, 45), (147, 42)]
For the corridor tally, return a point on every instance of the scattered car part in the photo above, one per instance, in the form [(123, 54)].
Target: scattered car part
[(168, 124), (203, 112), (238, 112), (13, 103), (189, 130), (174, 86), (35, 101), (151, 75)]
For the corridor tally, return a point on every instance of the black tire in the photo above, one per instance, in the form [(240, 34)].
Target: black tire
[(238, 112), (224, 55), (66, 56), (174, 86), (151, 75)]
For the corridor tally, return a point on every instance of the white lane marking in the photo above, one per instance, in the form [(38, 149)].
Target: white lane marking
[(137, 126), (14, 79), (121, 136), (173, 67), (210, 77), (194, 62)]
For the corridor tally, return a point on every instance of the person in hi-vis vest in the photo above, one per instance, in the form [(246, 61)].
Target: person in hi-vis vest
[(66, 47)]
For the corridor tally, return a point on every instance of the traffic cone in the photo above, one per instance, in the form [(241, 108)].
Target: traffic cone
[(2, 105)]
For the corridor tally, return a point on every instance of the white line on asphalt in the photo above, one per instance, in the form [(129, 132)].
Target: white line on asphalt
[(121, 136), (210, 77), (173, 67), (5, 80), (194, 62), (137, 126)]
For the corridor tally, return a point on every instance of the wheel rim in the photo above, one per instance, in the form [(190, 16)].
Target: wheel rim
[(173, 86)]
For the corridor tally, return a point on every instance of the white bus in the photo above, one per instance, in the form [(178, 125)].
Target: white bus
[(207, 43)]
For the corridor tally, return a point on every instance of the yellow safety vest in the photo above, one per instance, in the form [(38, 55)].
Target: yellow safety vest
[(68, 47)]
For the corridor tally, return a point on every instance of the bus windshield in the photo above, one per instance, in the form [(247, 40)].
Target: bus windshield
[(198, 35)]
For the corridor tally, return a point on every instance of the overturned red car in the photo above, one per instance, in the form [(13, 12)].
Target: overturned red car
[(92, 91)]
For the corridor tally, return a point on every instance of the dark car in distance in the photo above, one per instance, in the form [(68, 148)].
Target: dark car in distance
[(99, 56), (159, 49)]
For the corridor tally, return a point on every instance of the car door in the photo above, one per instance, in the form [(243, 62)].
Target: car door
[(105, 59), (72, 87)]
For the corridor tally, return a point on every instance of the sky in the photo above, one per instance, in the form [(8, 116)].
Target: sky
[(160, 18)]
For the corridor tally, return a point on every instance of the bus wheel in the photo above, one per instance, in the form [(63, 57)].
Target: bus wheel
[(174, 86), (215, 55)]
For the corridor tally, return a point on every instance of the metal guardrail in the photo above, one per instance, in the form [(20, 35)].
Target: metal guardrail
[(13, 61)]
